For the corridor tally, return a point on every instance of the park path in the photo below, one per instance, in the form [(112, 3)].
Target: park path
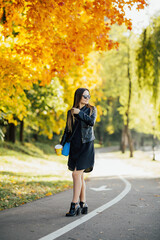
[(124, 203)]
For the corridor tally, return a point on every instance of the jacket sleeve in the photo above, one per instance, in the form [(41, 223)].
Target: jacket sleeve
[(90, 120), (65, 134)]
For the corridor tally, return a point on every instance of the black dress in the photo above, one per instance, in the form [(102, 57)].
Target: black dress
[(81, 155)]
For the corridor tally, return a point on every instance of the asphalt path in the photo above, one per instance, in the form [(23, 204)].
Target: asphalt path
[(124, 203)]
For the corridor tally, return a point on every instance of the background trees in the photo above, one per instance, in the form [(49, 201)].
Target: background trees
[(148, 61), (132, 102)]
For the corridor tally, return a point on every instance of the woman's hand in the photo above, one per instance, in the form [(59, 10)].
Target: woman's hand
[(75, 110)]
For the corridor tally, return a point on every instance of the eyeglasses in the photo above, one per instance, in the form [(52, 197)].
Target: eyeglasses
[(86, 96)]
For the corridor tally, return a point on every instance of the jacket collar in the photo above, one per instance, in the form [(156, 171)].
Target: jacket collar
[(84, 108)]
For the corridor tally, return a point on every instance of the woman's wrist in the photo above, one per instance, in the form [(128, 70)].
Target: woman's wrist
[(76, 110)]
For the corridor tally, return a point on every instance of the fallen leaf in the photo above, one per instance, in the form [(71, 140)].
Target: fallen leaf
[(48, 194)]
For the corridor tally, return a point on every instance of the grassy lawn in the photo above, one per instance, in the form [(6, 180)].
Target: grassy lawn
[(29, 172)]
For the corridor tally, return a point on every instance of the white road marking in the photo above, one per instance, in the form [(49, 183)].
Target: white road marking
[(98, 210), (102, 188)]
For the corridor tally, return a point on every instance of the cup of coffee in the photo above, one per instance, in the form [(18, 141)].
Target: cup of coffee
[(58, 149)]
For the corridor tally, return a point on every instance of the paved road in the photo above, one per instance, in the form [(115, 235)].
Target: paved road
[(124, 203)]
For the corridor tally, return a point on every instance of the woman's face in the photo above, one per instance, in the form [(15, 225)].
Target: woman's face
[(83, 99)]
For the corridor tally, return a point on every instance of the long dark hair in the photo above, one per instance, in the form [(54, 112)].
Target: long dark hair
[(77, 98)]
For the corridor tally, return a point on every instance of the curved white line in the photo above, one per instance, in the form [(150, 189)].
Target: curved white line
[(98, 210)]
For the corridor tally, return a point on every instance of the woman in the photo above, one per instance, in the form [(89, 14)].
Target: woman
[(79, 132)]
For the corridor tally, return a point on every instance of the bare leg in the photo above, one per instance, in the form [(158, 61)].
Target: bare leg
[(83, 190), (77, 184)]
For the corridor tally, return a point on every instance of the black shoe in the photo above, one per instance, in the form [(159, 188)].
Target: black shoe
[(84, 207), (74, 210)]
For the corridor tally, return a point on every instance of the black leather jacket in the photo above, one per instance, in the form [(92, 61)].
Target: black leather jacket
[(87, 123)]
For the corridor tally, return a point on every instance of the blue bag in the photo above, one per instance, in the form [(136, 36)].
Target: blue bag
[(66, 148)]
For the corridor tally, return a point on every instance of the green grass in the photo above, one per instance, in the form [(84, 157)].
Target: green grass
[(27, 151), (29, 172)]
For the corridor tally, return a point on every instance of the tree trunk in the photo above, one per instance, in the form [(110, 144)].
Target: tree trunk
[(35, 135), (124, 139), (142, 141), (11, 133), (123, 142), (126, 132), (21, 131), (130, 142)]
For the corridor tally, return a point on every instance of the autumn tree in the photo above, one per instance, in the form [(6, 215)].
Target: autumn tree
[(41, 40), (49, 37)]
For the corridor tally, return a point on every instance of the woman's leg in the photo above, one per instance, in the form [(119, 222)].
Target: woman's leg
[(77, 184), (83, 204), (83, 189)]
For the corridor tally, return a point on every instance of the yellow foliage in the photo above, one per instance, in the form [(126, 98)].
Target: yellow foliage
[(40, 40), (110, 129), (48, 194), (58, 33)]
